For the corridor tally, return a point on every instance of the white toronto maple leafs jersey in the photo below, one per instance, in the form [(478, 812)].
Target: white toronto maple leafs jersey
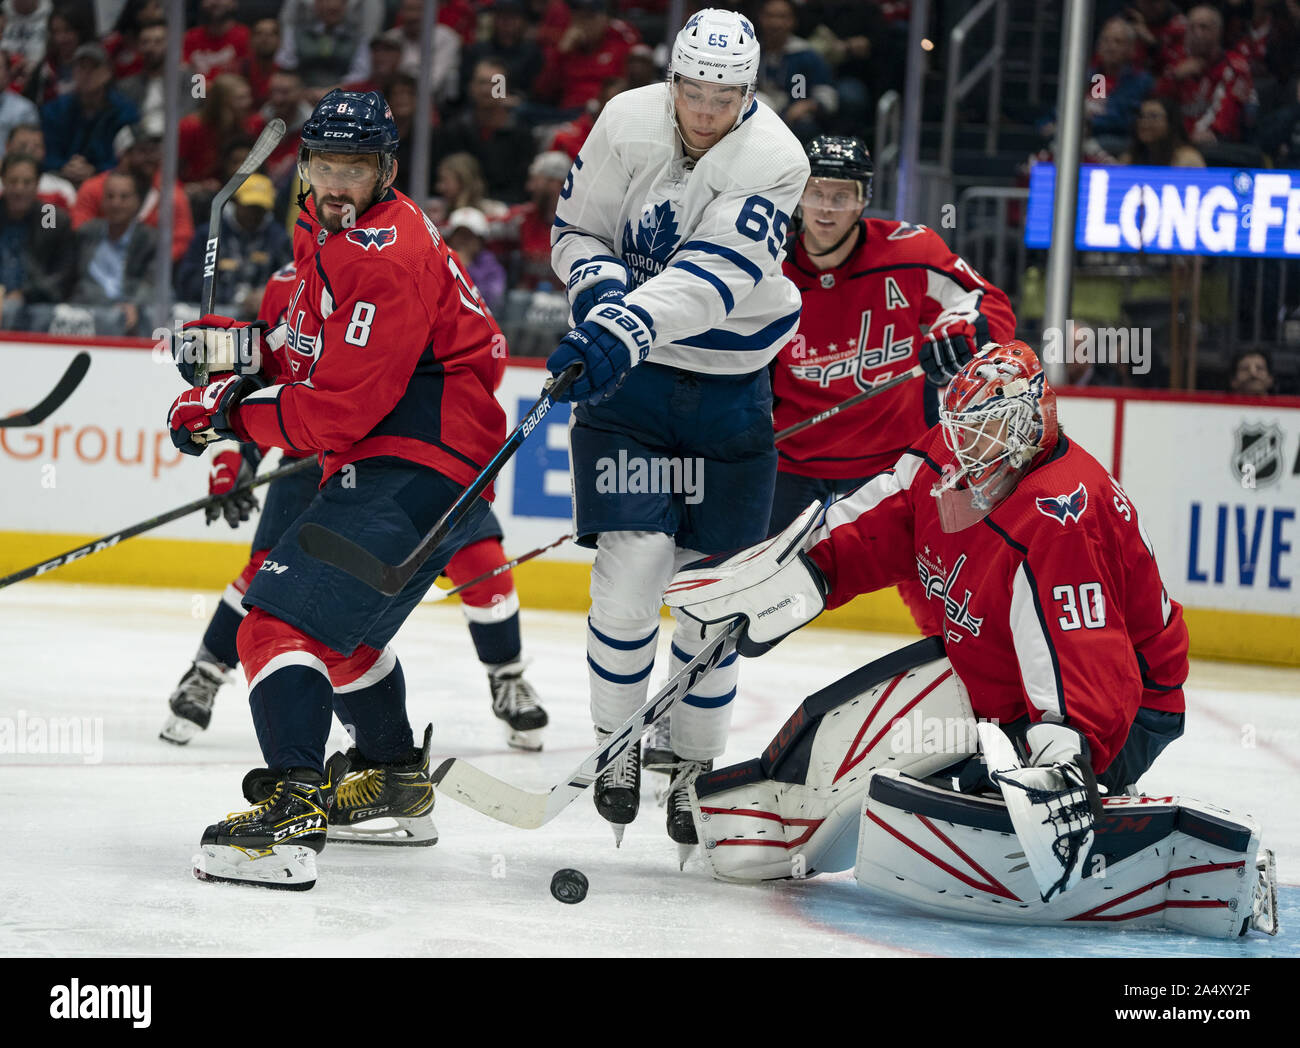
[(704, 240)]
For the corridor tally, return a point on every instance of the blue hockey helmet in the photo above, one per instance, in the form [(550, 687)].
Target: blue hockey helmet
[(350, 122)]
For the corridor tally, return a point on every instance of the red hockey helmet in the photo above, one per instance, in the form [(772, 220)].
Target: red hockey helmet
[(997, 415)]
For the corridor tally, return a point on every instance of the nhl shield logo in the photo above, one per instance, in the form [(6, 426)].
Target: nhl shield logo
[(1257, 454)]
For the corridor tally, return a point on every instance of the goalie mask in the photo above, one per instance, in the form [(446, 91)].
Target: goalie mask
[(717, 48), (997, 415)]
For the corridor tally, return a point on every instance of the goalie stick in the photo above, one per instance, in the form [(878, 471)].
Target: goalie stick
[(529, 809), (390, 579), (54, 400), (437, 594), (830, 412), (113, 538)]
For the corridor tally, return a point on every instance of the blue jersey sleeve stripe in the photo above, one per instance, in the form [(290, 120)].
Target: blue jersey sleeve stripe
[(728, 300), (730, 254), (720, 338)]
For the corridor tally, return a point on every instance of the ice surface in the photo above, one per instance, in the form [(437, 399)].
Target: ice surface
[(95, 857)]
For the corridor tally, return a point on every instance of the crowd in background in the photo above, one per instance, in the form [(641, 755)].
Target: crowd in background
[(517, 86)]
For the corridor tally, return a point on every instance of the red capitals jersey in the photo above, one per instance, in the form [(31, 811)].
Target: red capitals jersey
[(1216, 100), (390, 350), (1052, 604), (862, 324)]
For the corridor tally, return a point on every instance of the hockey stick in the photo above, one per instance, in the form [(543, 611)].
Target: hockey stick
[(389, 579), (262, 148), (62, 391), (529, 809), (113, 538), (874, 391), (437, 594)]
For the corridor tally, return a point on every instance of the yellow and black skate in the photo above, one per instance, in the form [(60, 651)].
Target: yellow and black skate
[(386, 803), (274, 843)]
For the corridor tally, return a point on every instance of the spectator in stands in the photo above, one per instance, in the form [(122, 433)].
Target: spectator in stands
[(489, 131), (385, 61), (139, 152), (593, 48), (793, 79), (1116, 85), (1279, 129), (80, 127), (29, 140), (1161, 28), (226, 114), (326, 42), (467, 233), (548, 21), (1159, 139), (286, 101), (1213, 86), (641, 68), (15, 110), (459, 16), (123, 43), (401, 101), (26, 25), (115, 255), (220, 44), (1251, 373), (70, 26), (570, 137), (526, 228), (146, 88), (851, 36), (460, 184), (36, 255), (263, 45), (446, 50), (1266, 33), (253, 246), (509, 45)]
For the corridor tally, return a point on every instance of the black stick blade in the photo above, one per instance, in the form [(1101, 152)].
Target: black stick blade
[(67, 384), (341, 552)]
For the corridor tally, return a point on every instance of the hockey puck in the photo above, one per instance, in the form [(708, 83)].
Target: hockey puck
[(569, 886)]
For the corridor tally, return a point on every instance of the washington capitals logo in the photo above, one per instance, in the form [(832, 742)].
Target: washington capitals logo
[(648, 248), (376, 238), (1065, 507)]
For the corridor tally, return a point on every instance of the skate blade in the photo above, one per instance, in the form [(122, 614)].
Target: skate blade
[(1264, 917), (419, 832), (286, 867), (178, 730), (530, 740), (684, 853), (618, 829)]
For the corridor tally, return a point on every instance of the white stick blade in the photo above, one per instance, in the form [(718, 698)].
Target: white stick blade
[(476, 789)]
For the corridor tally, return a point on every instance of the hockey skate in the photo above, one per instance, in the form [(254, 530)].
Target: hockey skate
[(515, 704), (274, 844), (388, 804), (681, 825), (617, 790), (191, 702), (1264, 911), (657, 752)]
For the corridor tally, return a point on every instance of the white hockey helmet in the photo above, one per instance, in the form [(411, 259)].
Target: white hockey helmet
[(717, 47)]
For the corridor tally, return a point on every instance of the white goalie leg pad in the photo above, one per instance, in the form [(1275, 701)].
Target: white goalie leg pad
[(796, 810), (627, 585), (1156, 862), (286, 866)]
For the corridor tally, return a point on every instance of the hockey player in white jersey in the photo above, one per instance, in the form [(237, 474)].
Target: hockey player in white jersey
[(670, 230)]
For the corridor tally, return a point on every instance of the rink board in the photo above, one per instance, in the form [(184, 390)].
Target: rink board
[(1216, 480)]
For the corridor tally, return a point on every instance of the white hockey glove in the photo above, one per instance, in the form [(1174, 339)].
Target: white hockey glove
[(773, 586), (1053, 801)]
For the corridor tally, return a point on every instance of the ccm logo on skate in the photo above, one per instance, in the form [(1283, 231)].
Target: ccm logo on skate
[(271, 565), (314, 823), (75, 1001)]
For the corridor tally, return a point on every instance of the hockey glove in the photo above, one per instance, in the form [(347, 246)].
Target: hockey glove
[(608, 345), (1053, 803), (955, 337), (773, 586), (208, 407), (229, 471), (595, 281), (224, 343)]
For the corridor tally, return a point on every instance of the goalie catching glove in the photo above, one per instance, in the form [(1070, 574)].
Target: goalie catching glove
[(773, 586), (1053, 801)]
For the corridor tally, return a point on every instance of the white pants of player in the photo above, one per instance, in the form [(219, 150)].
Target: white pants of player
[(628, 579)]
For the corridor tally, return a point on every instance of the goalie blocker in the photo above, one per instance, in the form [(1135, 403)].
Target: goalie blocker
[(878, 772)]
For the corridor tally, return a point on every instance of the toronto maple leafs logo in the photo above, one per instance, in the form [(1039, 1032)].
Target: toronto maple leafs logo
[(376, 238), (1065, 507), (648, 248)]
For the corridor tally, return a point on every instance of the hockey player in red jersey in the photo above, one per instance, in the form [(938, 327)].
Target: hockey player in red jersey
[(871, 290), (394, 393), (491, 607), (1055, 617)]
